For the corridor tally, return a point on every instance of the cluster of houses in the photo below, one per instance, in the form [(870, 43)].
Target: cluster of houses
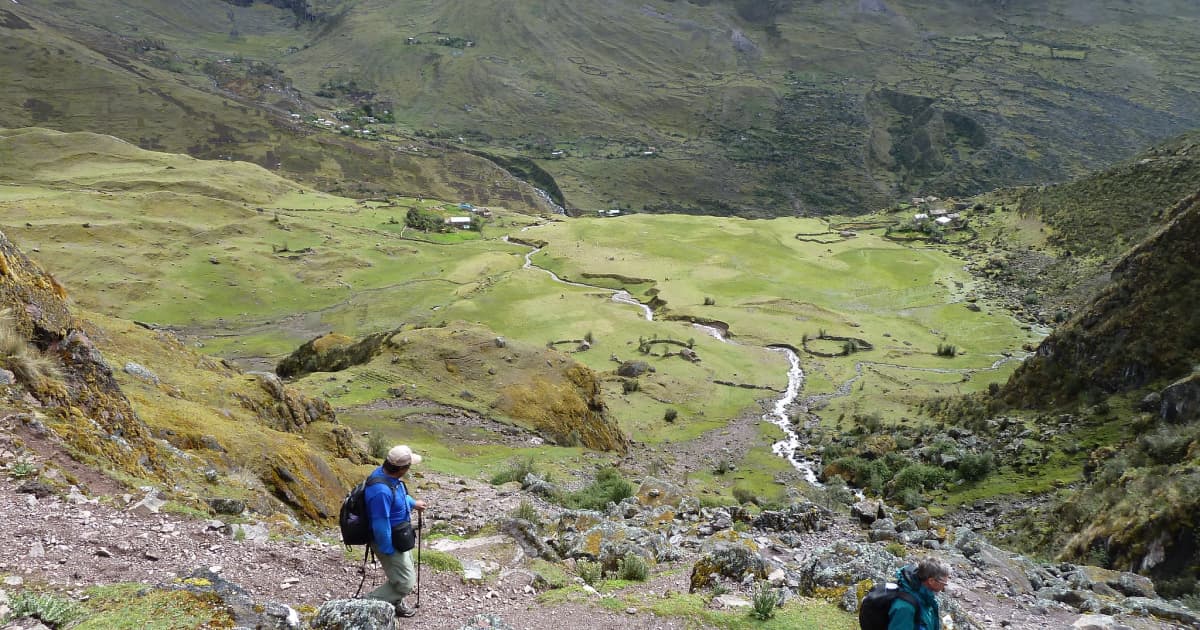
[(334, 125), (937, 213), (940, 216), (462, 222)]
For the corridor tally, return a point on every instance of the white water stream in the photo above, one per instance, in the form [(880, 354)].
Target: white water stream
[(787, 447)]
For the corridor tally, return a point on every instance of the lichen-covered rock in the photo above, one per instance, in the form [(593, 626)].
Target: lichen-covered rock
[(86, 407), (633, 369), (355, 614), (655, 492), (245, 611), (734, 560), (283, 408), (1180, 401), (832, 571), (608, 542), (566, 408), (798, 517), (1165, 610), (527, 536), (332, 353)]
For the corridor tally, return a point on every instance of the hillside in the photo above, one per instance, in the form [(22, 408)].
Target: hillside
[(716, 107)]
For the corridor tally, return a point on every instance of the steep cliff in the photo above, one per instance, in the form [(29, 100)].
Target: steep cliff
[(1140, 330)]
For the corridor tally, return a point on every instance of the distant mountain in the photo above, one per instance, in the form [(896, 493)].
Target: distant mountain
[(722, 107)]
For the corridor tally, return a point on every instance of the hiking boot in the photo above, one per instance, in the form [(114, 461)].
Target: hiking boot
[(404, 611)]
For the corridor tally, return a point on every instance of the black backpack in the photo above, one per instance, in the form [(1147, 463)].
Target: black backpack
[(873, 611), (353, 518)]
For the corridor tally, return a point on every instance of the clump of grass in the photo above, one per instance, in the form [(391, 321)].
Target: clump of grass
[(946, 350), (48, 608), (670, 414), (517, 470), (440, 561), (589, 572), (633, 568), (765, 601), (526, 512), (29, 365), (608, 487)]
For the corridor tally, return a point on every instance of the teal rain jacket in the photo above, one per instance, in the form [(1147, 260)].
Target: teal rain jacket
[(901, 617)]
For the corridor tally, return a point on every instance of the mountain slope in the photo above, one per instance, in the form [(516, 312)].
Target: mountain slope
[(716, 107), (76, 77), (1140, 330)]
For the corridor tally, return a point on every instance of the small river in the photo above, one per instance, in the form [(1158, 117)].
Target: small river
[(787, 447)]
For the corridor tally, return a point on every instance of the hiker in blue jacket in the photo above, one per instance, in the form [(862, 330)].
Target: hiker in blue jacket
[(392, 537), (929, 577)]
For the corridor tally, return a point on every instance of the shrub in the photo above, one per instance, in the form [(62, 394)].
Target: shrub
[(588, 337), (744, 495), (630, 385), (946, 350), (765, 600), (670, 414), (708, 301), (589, 572), (377, 446), (46, 607), (724, 465), (526, 512), (976, 466), (917, 477), (633, 568), (609, 486), (516, 471)]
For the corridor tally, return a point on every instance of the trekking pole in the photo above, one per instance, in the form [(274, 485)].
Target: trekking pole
[(420, 525)]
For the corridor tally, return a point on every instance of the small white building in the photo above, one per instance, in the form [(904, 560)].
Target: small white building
[(918, 218), (459, 221), (943, 220)]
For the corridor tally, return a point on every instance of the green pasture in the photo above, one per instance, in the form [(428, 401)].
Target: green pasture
[(253, 271)]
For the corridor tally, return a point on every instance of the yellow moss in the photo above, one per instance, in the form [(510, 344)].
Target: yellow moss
[(330, 341), (5, 270), (592, 543), (195, 581), (831, 593)]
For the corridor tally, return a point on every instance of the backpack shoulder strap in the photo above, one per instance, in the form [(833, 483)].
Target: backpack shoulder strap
[(376, 479)]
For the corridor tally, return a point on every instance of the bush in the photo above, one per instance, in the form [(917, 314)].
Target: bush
[(633, 568), (516, 471), (946, 350), (377, 446), (708, 301), (630, 385), (609, 486), (589, 572), (765, 600), (724, 465), (917, 477), (976, 466), (670, 414)]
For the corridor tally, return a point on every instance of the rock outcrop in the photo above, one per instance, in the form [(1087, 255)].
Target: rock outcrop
[(84, 405)]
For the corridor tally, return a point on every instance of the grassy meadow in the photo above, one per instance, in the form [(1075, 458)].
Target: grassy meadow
[(247, 266)]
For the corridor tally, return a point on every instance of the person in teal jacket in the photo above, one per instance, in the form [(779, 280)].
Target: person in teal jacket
[(390, 508), (924, 580)]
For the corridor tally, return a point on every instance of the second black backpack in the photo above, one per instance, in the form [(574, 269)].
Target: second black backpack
[(874, 608)]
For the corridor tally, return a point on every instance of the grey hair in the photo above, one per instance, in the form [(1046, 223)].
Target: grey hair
[(931, 567)]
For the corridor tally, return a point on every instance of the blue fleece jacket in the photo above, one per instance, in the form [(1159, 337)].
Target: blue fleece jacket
[(387, 509), (901, 614)]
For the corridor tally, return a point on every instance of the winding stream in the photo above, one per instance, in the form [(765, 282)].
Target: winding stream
[(787, 447)]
